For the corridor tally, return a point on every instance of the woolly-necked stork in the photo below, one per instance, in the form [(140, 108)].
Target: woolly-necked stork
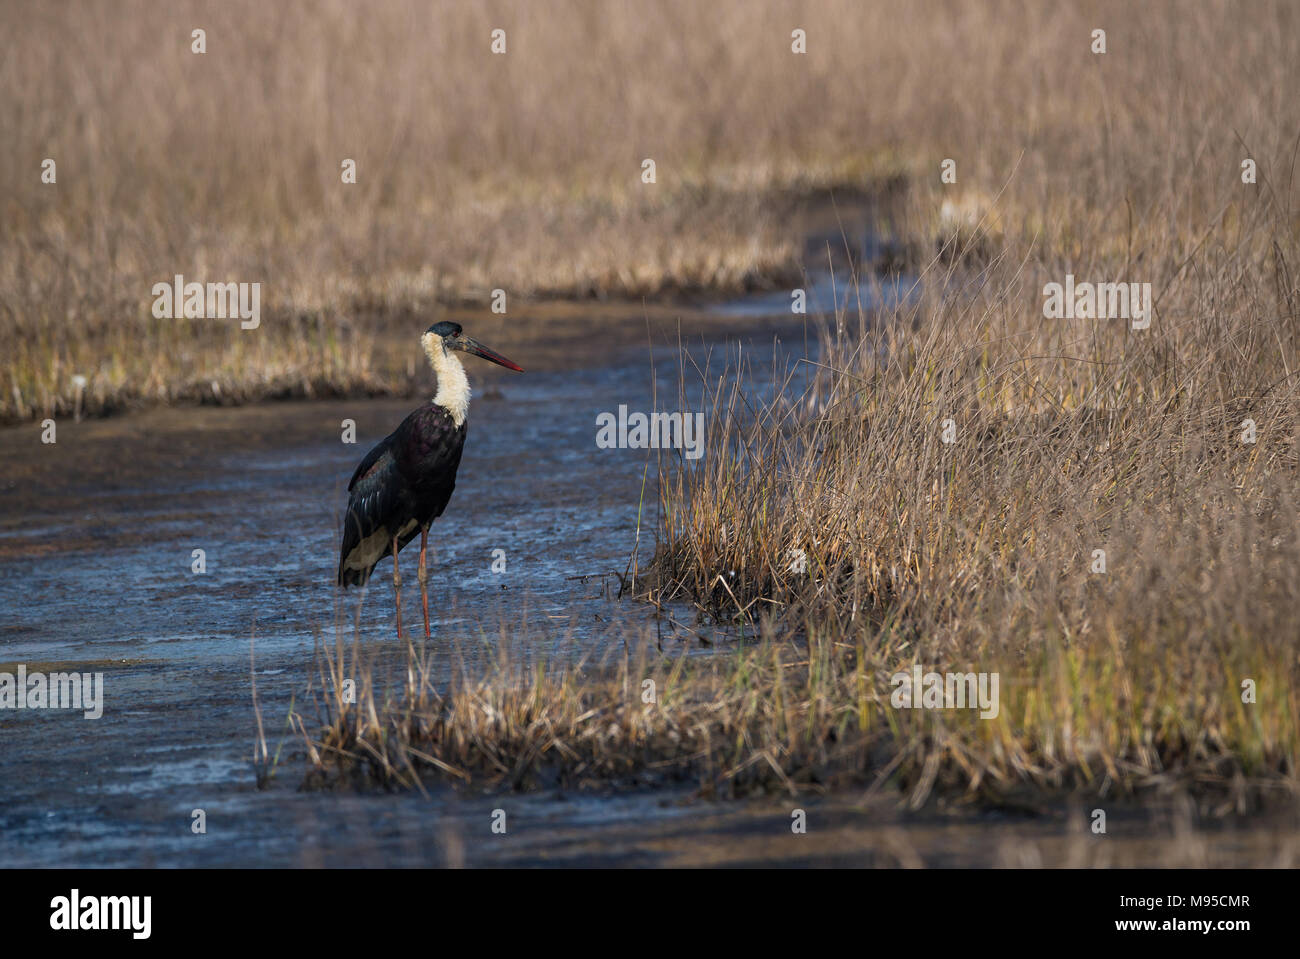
[(404, 483)]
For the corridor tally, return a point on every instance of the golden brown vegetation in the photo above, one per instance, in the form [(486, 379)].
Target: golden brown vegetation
[(476, 170)]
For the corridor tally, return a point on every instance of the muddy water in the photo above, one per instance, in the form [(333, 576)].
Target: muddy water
[(97, 540)]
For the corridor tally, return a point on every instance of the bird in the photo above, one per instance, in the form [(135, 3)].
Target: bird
[(405, 482)]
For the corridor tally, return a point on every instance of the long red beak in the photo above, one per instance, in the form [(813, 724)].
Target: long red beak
[(478, 349)]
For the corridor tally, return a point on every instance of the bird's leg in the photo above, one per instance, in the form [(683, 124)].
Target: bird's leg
[(397, 588), (424, 578)]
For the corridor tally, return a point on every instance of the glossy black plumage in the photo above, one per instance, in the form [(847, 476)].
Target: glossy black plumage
[(402, 486)]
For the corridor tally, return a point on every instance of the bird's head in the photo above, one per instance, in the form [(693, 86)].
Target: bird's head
[(448, 336)]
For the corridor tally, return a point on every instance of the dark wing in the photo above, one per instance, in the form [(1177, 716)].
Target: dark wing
[(382, 448), (373, 504)]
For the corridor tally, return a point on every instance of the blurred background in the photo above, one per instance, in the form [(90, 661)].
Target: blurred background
[(521, 171)]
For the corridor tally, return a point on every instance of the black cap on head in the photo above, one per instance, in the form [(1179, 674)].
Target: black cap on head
[(445, 328)]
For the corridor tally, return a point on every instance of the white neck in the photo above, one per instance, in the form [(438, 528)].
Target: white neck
[(453, 385)]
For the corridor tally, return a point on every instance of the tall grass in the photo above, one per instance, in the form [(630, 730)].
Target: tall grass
[(475, 169), (1073, 443), (839, 514)]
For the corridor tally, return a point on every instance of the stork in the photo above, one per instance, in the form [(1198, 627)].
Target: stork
[(404, 483)]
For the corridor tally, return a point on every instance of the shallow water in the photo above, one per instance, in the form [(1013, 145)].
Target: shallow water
[(96, 540)]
